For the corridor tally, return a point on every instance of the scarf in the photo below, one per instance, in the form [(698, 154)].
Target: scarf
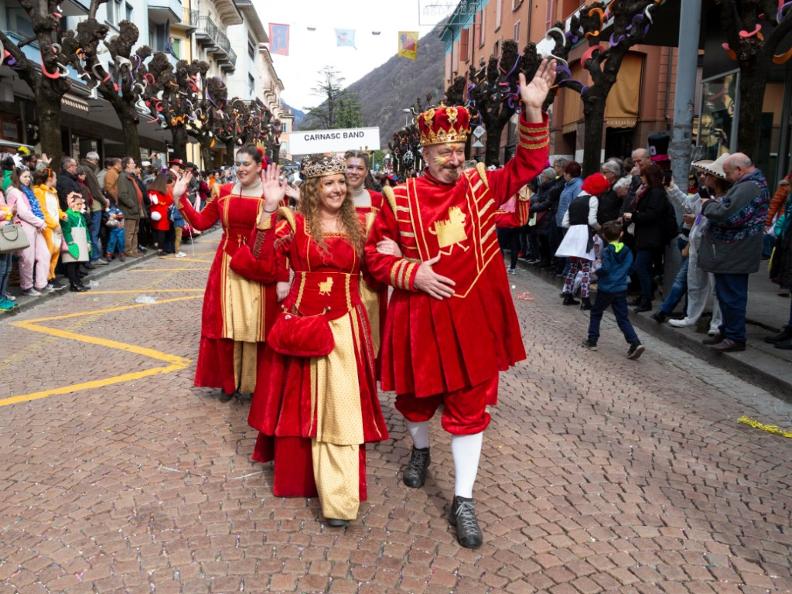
[(34, 203)]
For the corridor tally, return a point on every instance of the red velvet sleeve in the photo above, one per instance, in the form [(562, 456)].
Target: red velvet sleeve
[(533, 152), (383, 268), (264, 258), (202, 219)]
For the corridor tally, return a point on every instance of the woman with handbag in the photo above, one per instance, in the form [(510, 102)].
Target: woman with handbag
[(44, 181), (316, 403), (6, 218), (35, 258), (237, 310)]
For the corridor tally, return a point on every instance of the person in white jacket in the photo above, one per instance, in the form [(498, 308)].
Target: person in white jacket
[(701, 284)]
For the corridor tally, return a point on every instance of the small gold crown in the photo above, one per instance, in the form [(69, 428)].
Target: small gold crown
[(321, 165)]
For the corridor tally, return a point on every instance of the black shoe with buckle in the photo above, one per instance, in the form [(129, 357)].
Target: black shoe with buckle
[(415, 471), (463, 517), (336, 523)]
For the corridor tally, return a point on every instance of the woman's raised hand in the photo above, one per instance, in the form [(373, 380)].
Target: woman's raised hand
[(180, 187), (274, 187)]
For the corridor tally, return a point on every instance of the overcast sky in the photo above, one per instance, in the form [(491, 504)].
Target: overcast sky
[(309, 51)]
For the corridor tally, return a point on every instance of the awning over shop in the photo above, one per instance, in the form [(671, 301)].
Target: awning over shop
[(623, 104)]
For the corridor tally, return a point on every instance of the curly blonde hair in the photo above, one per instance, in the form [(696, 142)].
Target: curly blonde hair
[(309, 207)]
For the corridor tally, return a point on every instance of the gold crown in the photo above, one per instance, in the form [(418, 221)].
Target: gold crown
[(321, 165)]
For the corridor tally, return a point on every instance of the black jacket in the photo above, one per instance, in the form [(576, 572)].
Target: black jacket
[(649, 210), (546, 201), (610, 207), (66, 184)]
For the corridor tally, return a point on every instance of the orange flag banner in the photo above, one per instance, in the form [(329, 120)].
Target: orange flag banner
[(408, 44)]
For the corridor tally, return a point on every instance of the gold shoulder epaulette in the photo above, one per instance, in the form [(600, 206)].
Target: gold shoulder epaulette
[(482, 171), (387, 191)]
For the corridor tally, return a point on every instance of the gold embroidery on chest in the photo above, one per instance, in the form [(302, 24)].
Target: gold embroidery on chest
[(325, 287), (451, 231)]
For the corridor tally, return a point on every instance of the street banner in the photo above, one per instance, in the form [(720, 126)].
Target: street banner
[(345, 37), (408, 44), (308, 142), (279, 38)]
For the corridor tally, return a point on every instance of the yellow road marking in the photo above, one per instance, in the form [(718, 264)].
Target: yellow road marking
[(203, 268), (194, 260), (141, 291), (175, 362)]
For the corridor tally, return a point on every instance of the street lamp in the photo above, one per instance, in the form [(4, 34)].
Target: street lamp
[(407, 113)]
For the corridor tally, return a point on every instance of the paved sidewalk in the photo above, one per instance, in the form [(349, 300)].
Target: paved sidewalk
[(760, 363), (598, 474)]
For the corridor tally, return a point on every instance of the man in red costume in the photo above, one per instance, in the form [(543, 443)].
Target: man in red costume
[(451, 324)]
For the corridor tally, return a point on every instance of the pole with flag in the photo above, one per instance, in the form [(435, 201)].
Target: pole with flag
[(408, 45)]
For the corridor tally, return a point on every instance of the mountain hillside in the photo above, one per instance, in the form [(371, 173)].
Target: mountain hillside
[(299, 115), (397, 83)]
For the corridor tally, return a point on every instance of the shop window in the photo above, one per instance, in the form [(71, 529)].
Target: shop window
[(482, 24), (498, 13), (19, 22)]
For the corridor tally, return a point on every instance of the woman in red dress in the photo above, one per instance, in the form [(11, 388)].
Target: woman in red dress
[(367, 204), (315, 414), (160, 200), (237, 311)]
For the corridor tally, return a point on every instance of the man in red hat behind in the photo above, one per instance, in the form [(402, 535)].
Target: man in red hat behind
[(451, 324)]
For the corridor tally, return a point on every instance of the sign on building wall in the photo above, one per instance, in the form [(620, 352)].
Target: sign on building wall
[(308, 142)]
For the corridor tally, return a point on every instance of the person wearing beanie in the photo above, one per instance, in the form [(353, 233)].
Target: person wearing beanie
[(578, 243)]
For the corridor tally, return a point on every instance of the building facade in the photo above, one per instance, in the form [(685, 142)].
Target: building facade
[(182, 29)]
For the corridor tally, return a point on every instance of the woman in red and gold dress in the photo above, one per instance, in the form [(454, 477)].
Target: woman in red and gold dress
[(315, 413), (367, 204), (237, 311)]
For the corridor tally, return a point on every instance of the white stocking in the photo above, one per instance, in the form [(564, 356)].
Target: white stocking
[(419, 433), (466, 450)]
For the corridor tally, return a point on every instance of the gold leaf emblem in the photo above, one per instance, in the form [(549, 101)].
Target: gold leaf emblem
[(326, 286), (451, 231)]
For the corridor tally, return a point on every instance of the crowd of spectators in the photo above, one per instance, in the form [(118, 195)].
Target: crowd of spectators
[(88, 213), (711, 231)]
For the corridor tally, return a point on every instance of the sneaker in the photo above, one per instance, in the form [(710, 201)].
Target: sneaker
[(414, 474), (569, 300), (727, 345), (181, 255), (102, 262), (336, 523), (782, 336), (31, 292), (683, 323), (635, 351), (512, 270), (50, 288), (8, 297), (6, 305), (463, 517), (592, 346), (659, 316)]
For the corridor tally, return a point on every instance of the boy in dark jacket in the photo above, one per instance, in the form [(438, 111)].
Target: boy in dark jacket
[(612, 281)]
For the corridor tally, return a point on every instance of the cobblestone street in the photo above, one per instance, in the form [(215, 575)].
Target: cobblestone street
[(598, 474)]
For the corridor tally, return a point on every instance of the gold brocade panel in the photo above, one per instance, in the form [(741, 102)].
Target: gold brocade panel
[(335, 389), (623, 104), (243, 311)]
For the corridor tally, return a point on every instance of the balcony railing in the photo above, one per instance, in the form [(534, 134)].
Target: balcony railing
[(209, 34)]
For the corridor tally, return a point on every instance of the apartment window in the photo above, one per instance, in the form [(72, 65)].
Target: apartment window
[(128, 12), (251, 50), (176, 47), (464, 40), (517, 31), (158, 37), (516, 4), (19, 22), (481, 28), (251, 86), (115, 12), (498, 13)]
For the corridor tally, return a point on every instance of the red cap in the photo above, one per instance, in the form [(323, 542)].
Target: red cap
[(595, 184)]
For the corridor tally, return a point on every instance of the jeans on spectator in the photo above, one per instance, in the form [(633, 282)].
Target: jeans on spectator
[(115, 240), (5, 273), (642, 267), (732, 293), (617, 302), (96, 226), (678, 289)]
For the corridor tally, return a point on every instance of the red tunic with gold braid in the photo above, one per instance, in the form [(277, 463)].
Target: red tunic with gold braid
[(235, 310), (430, 346), (374, 295)]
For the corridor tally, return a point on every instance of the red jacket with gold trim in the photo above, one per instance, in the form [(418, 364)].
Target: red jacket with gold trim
[(433, 346)]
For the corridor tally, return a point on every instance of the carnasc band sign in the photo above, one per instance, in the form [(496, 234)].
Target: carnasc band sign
[(307, 142)]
